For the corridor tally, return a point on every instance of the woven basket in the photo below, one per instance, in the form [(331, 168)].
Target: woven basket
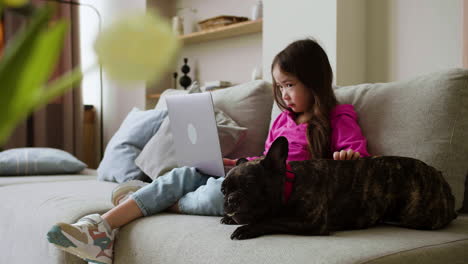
[(220, 21)]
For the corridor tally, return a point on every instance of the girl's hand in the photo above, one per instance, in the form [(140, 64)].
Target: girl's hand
[(229, 162), (346, 155)]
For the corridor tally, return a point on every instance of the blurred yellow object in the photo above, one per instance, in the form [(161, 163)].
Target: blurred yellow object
[(139, 47), (14, 3)]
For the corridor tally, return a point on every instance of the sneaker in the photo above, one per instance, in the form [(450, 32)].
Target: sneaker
[(125, 189), (91, 239)]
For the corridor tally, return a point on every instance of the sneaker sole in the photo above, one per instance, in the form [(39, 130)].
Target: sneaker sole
[(125, 188), (59, 240)]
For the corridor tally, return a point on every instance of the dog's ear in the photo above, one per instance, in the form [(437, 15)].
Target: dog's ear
[(277, 154), (241, 160)]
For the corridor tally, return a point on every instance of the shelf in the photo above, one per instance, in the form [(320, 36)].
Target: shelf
[(237, 29), (153, 96)]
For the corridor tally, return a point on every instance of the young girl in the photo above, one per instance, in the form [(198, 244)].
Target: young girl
[(315, 125)]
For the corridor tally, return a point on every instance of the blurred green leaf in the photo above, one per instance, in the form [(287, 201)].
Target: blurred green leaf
[(16, 55), (13, 3), (26, 66), (40, 65), (59, 86)]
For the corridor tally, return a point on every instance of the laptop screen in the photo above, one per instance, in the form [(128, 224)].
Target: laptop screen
[(193, 126)]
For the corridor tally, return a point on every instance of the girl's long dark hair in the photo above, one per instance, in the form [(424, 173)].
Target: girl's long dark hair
[(308, 62)]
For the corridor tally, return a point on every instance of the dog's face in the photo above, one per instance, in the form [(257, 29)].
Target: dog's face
[(253, 190)]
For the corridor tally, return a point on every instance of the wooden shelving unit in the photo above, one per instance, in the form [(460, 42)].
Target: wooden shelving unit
[(237, 29)]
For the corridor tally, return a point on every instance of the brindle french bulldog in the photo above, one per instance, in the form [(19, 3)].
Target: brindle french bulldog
[(329, 195)]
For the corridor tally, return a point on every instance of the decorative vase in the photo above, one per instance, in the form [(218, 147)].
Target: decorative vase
[(257, 10), (178, 25), (185, 80)]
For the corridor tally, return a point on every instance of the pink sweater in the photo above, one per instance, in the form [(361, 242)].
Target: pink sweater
[(346, 133)]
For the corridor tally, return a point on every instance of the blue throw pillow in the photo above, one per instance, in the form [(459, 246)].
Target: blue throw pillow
[(118, 164), (38, 161)]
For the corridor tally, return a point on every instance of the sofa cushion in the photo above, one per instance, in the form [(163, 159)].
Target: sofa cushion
[(200, 239), (28, 211), (425, 117), (249, 104), (175, 238)]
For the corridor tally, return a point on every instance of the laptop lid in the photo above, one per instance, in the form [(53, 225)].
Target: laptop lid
[(193, 126)]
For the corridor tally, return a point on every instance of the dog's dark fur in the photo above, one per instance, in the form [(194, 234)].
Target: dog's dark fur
[(330, 195)]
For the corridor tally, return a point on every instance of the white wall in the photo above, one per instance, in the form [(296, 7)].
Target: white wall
[(370, 40), (338, 25), (118, 99), (287, 21), (230, 59), (411, 37)]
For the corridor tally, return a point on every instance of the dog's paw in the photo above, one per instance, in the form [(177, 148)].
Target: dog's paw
[(245, 232), (226, 220)]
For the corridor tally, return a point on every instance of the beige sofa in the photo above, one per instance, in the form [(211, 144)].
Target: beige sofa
[(425, 117)]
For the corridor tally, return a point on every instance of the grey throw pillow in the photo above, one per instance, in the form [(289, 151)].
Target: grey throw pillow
[(158, 156), (425, 118), (38, 161)]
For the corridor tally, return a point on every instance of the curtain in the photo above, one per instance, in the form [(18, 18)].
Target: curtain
[(60, 123)]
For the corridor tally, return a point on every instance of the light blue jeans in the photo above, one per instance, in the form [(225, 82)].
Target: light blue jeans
[(197, 193)]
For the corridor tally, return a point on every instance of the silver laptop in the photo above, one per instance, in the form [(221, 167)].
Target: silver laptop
[(193, 126)]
